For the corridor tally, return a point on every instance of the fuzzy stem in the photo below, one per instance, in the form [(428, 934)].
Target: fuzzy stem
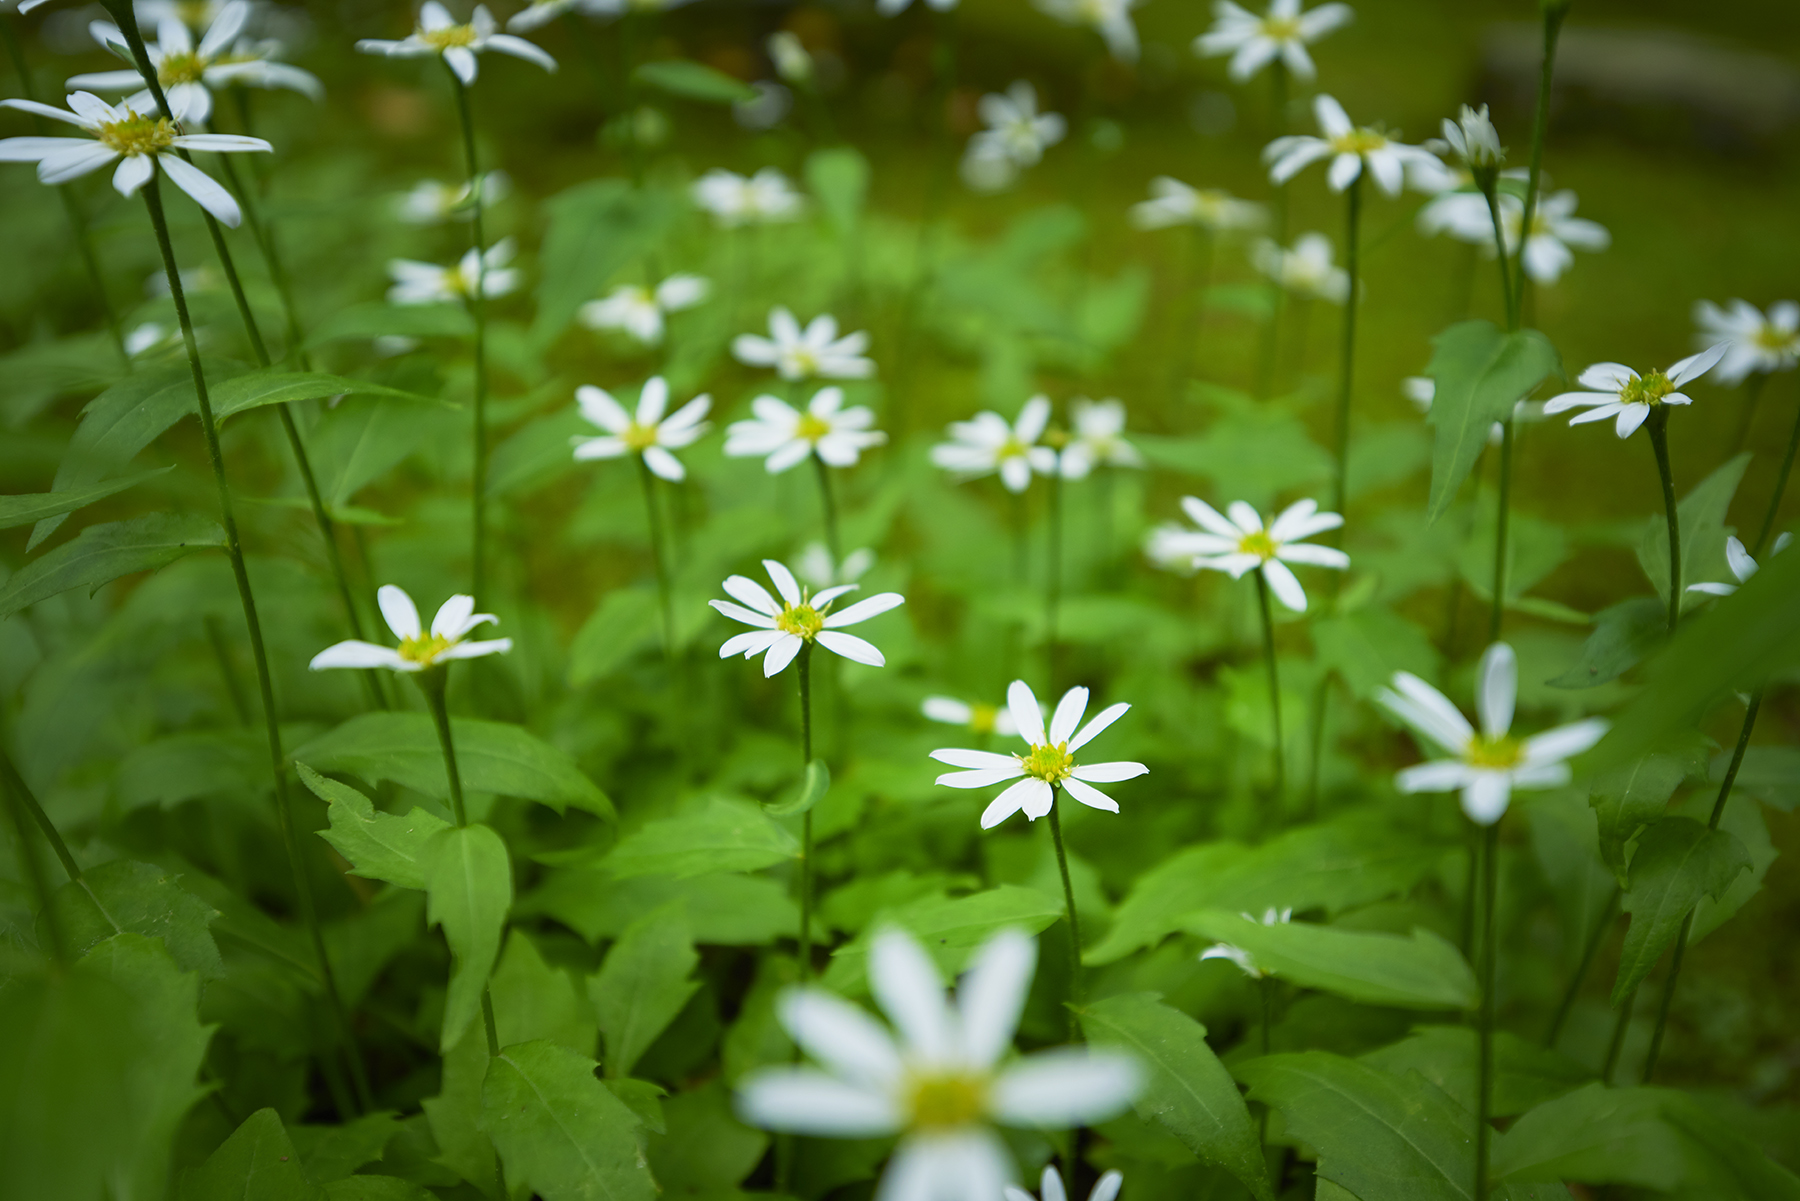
[(1484, 1089), (1540, 123), (828, 506), (1781, 480), (478, 310), (658, 555), (1589, 952), (1658, 425), (1062, 866), (1268, 642), (806, 821), (1347, 362)]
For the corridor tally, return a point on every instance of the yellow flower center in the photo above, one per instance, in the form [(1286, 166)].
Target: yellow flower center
[(948, 1101), (1358, 142), (138, 135), (1258, 544), (803, 361), (1646, 390), (801, 620), (1502, 753), (1770, 338), (424, 649), (639, 437), (1012, 448), (982, 718), (812, 428), (449, 37), (180, 68), (1049, 762), (1281, 29)]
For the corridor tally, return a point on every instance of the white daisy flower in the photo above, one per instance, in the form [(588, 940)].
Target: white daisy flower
[(639, 311), (947, 1080), (647, 432), (798, 354), (1050, 1187), (816, 567), (1016, 137), (1741, 564), (798, 618), (977, 718), (1422, 391), (428, 283), (138, 138), (889, 8), (1556, 233), (437, 33), (1306, 270), (221, 59), (430, 202), (1239, 543), (1253, 41), (759, 199), (1488, 765), (1098, 439), (1620, 392), (1245, 961), (1753, 341), (1049, 764), (787, 436), (1351, 148), (1111, 19), (1175, 203), (988, 443), (418, 650)]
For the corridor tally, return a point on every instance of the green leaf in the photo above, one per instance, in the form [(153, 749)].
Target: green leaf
[(1594, 1135), (1623, 634), (193, 764), (813, 788), (1481, 373), (1376, 1135), (596, 228), (1189, 1093), (329, 1153), (271, 387), (1743, 820), (379, 846), (1525, 1074), (1255, 456), (717, 834), (1678, 861), (560, 1133), (1368, 646), (949, 929), (643, 984), (1731, 1162), (1628, 799), (125, 896), (1702, 516), (468, 887), (692, 81), (361, 439), (257, 1163), (1421, 972), (533, 1000), (724, 910), (492, 756), (24, 510), (455, 1114), (625, 623), (101, 554), (1771, 774), (376, 1188), (704, 1148), (377, 319), (839, 177)]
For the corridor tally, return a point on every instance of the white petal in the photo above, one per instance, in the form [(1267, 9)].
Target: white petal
[(950, 711), (1293, 518), (1696, 365), (462, 62), (1244, 517), (1485, 798), (80, 158), (1630, 417), (1210, 518), (207, 192), (1564, 742), (599, 407), (1090, 796), (752, 594), (1037, 799), (1428, 711), (750, 643), (1497, 689), (784, 581), (810, 1102), (1283, 584), (1071, 1087), (1023, 704), (991, 995), (851, 647), (452, 616), (475, 650), (958, 757), (985, 777), (781, 654), (1007, 803), (1315, 556), (863, 610), (1440, 775), (1109, 773), (841, 1036), (1107, 1187), (749, 617), (359, 654), (664, 464), (907, 986), (398, 610), (1068, 714), (133, 173), (1101, 720)]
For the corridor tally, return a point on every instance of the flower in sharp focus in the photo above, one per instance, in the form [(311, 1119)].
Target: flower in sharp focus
[(1016, 137), (816, 568), (1253, 41), (190, 71), (1239, 543), (946, 1082), (438, 33), (430, 202), (1306, 270), (1048, 765), (1422, 391), (141, 141), (1741, 564), (1350, 148), (419, 650), (799, 617), (1097, 439), (428, 283), (736, 200), (786, 435), (640, 311), (1489, 764), (798, 354), (988, 443), (1050, 1187), (1245, 961), (1620, 392), (647, 432), (1753, 341), (1111, 19), (977, 718), (1473, 140), (1175, 203)]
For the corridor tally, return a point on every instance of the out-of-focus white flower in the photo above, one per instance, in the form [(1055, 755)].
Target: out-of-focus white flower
[(539, 13), (1473, 140), (438, 33), (646, 432), (764, 110), (1175, 203), (1485, 766), (1016, 137), (1253, 42), (789, 55), (151, 335), (1554, 228), (1239, 543), (1741, 564), (137, 138), (195, 14), (798, 354), (1620, 392), (1753, 342), (428, 283), (430, 202), (1111, 19), (889, 8), (1350, 148), (977, 718), (785, 436), (1098, 439), (1245, 961), (1051, 1187), (618, 8), (943, 1086), (1306, 270), (419, 650), (989, 443), (785, 625), (1422, 390), (816, 568), (736, 200), (640, 311)]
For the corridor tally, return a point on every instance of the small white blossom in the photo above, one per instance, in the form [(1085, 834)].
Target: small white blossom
[(1098, 439), (1753, 342), (1306, 270), (428, 283), (1050, 762), (989, 443), (976, 718), (1016, 137), (1554, 228), (151, 335), (1473, 140), (1488, 765), (1239, 543), (789, 55), (785, 436), (640, 311), (1741, 564), (539, 13), (816, 567), (815, 351), (430, 202), (1111, 19), (764, 110), (1351, 149), (418, 650), (1051, 1187), (1253, 42), (1175, 203), (736, 200), (438, 33), (1245, 961), (647, 432), (1620, 392), (799, 617)]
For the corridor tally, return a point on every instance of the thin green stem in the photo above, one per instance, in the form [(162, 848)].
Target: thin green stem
[(806, 821), (1781, 480), (1490, 190), (1753, 390), (828, 507), (1347, 361), (478, 310), (21, 791), (1497, 613), (1484, 1088), (1278, 223), (1062, 866), (1658, 425), (1279, 758), (1616, 1044), (658, 555), (1589, 952), (264, 237), (247, 600), (1053, 577), (1540, 123)]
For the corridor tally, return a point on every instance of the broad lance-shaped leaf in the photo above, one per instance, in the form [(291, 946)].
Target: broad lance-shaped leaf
[(1189, 1093), (949, 928), (1677, 862), (596, 228), (1702, 516), (1525, 1074), (123, 896), (379, 846), (378, 319), (270, 387), (1421, 972), (1629, 798), (468, 888), (692, 81), (1480, 373), (560, 1132), (101, 554), (258, 1161), (24, 510), (1623, 634), (643, 984), (717, 834)]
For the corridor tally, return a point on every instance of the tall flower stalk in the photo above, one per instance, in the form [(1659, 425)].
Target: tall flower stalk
[(477, 310)]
